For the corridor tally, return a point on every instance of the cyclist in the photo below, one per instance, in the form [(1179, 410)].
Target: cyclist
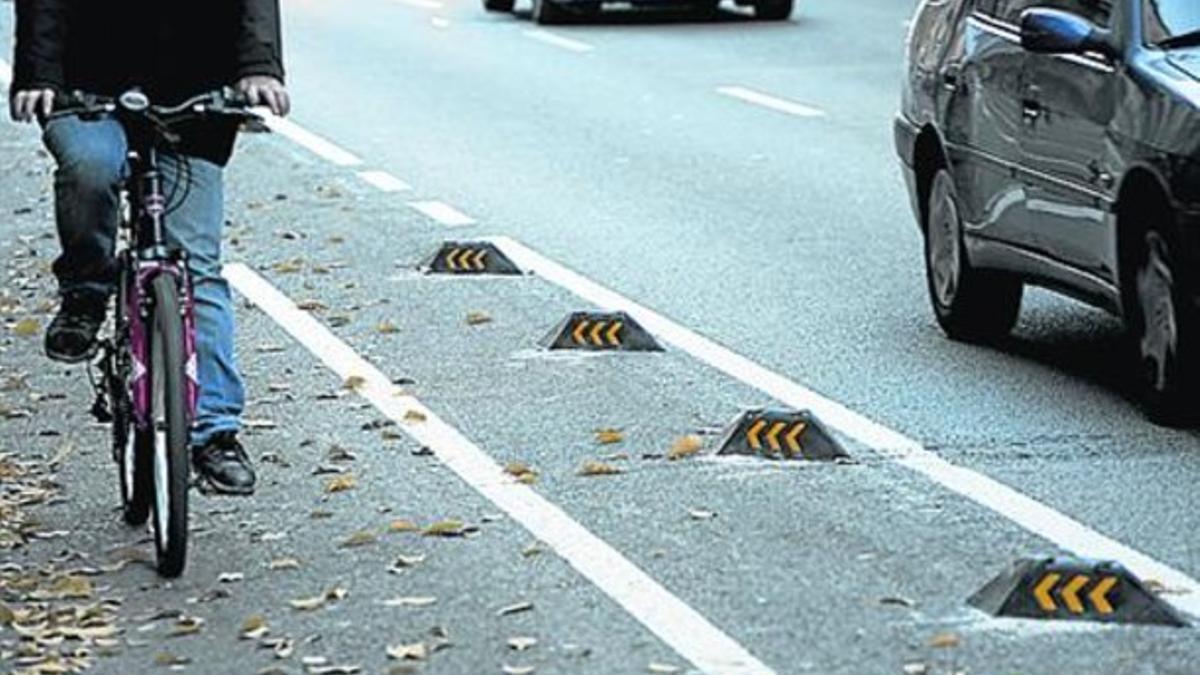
[(171, 50)]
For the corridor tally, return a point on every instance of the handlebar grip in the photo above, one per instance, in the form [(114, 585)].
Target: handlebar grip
[(234, 98)]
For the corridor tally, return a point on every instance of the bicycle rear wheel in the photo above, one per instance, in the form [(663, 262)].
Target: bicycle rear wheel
[(168, 402)]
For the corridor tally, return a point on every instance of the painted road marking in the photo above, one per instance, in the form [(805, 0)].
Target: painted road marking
[(772, 102), (678, 625), (384, 181), (439, 22), (1023, 510), (559, 41), (317, 145), (443, 213)]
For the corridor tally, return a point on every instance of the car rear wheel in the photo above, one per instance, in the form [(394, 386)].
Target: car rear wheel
[(773, 10), (970, 304), (1164, 330), (498, 5), (547, 12)]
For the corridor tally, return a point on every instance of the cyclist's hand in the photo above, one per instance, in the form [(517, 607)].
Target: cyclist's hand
[(266, 90), (26, 104)]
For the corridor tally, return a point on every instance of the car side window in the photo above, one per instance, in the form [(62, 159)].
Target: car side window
[(1098, 12)]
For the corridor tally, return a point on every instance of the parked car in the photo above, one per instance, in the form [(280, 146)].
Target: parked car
[(560, 11), (1057, 142)]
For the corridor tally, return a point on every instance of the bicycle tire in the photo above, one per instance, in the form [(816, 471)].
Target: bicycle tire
[(168, 402)]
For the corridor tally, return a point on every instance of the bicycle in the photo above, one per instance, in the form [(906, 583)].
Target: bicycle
[(148, 387)]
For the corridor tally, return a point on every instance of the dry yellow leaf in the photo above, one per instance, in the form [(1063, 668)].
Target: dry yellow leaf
[(609, 436), (402, 525), (594, 468), (478, 318), (685, 446), (517, 670), (312, 305), (26, 328), (340, 483), (445, 528), (284, 564), (662, 668), (387, 328), (288, 266), (360, 538), (522, 643), (414, 417), (413, 652), (254, 627), (354, 382), (186, 625), (944, 640), (308, 604)]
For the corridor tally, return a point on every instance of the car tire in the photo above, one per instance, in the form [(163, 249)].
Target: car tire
[(548, 12), (970, 304), (499, 5), (773, 10), (1163, 326)]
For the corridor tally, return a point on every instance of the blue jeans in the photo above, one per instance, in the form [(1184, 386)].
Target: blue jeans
[(91, 165)]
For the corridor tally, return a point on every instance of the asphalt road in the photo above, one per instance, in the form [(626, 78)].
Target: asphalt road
[(621, 148)]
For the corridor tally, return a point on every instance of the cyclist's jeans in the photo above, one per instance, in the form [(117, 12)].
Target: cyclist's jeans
[(91, 163)]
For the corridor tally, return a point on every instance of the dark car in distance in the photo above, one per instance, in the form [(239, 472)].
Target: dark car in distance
[(1057, 143), (548, 12)]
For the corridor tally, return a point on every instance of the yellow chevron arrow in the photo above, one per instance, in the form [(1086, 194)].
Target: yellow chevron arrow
[(752, 434), (479, 258), (1070, 593), (793, 437), (773, 436), (612, 334), (596, 333), (578, 333), (1042, 592), (1099, 593), (450, 259)]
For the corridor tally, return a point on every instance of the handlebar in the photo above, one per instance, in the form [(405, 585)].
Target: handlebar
[(134, 105)]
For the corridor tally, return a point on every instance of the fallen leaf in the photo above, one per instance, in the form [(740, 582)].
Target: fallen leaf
[(340, 483), (522, 472), (230, 577), (167, 660), (515, 608), (186, 625), (387, 328), (478, 318), (7, 616), (445, 528), (359, 538), (517, 670), (414, 416), (411, 601), (411, 652), (402, 525), (594, 468), (898, 601), (288, 266), (944, 640), (284, 564), (656, 667), (533, 549), (26, 328), (915, 668), (701, 514), (609, 436), (522, 643), (312, 305), (685, 446), (344, 669), (336, 593), (253, 628), (354, 382), (308, 604)]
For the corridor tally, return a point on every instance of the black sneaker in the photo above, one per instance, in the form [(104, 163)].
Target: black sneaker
[(223, 466), (71, 336)]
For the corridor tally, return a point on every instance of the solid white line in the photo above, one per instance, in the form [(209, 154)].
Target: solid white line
[(422, 4), (384, 181), (772, 102), (678, 625), (5, 73), (1023, 510), (559, 41), (317, 145), (443, 213)]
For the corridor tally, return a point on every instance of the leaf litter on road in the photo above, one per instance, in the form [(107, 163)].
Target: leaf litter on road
[(593, 467), (609, 436), (515, 608), (685, 446)]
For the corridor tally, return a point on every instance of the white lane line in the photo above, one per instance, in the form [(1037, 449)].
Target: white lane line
[(678, 625), (422, 4), (384, 181), (440, 22), (1023, 510), (559, 41), (5, 73), (772, 102), (317, 145), (443, 213)]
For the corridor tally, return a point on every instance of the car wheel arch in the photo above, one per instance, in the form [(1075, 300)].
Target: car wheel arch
[(929, 156), (1142, 198)]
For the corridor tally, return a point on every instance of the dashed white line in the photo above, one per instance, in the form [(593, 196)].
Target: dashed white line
[(1023, 510), (384, 181), (772, 102), (443, 213), (314, 143), (559, 41), (676, 623)]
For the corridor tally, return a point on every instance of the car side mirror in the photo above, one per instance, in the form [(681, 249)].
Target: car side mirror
[(1054, 31)]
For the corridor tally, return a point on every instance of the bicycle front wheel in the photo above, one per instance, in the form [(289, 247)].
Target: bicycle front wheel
[(168, 396)]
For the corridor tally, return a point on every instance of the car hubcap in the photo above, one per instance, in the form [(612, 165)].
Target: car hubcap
[(1160, 330), (944, 256)]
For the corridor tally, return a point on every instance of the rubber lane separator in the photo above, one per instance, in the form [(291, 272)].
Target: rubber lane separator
[(307, 139), (559, 41), (676, 623), (771, 102), (1023, 510), (443, 213)]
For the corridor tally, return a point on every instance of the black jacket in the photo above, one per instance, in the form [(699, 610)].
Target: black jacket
[(172, 49)]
